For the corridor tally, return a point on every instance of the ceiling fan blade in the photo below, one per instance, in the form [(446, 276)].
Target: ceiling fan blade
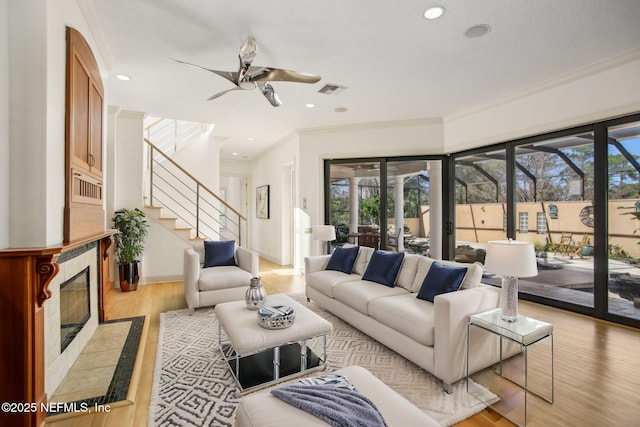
[(224, 92), (268, 74), (229, 75), (267, 90)]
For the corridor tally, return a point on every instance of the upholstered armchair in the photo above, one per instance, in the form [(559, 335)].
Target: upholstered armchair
[(217, 271)]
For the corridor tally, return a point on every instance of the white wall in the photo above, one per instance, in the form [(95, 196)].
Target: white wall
[(27, 132), (127, 167), (202, 159), (37, 30), (163, 256), (4, 124), (268, 236), (585, 98), (235, 177)]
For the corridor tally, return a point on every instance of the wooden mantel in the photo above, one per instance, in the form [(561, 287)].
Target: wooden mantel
[(25, 274)]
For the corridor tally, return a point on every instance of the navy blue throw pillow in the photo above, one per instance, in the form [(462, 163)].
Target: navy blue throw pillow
[(219, 253), (441, 279), (383, 267), (342, 259)]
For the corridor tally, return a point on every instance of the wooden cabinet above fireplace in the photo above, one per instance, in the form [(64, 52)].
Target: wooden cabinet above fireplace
[(84, 212)]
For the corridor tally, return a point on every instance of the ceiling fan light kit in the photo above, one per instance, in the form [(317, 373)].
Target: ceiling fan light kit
[(250, 76)]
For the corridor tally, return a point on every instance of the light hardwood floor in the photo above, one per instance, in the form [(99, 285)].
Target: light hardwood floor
[(597, 369)]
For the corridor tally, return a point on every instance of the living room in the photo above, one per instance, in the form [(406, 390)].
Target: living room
[(32, 147)]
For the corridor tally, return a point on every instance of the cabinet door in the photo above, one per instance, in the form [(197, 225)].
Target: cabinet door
[(79, 114), (95, 138)]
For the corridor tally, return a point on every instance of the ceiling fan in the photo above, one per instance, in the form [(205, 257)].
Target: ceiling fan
[(251, 76)]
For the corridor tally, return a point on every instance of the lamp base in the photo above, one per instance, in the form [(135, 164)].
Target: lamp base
[(509, 299)]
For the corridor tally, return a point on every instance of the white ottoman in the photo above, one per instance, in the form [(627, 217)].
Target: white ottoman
[(265, 410), (259, 357)]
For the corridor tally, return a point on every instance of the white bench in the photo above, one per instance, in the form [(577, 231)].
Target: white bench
[(264, 409)]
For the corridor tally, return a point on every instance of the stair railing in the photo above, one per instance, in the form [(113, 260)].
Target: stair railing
[(172, 187)]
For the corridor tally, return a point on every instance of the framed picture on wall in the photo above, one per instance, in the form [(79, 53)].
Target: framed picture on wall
[(262, 202)]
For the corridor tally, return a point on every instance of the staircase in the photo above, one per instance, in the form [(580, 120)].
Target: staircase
[(175, 198)]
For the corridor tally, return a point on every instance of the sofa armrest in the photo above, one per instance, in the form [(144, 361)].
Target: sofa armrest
[(452, 311), (315, 263), (191, 271), (248, 260)]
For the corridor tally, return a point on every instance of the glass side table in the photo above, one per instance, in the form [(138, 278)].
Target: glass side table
[(502, 358)]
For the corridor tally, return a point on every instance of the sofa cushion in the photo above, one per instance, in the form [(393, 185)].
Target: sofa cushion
[(406, 314), (407, 272), (441, 279), (223, 278), (364, 254), (383, 267), (325, 280), (358, 294), (342, 259), (219, 253)]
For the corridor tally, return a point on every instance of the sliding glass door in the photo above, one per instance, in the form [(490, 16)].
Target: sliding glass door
[(408, 206), (554, 195), (386, 203), (575, 195), (623, 285), (354, 202), (480, 204)]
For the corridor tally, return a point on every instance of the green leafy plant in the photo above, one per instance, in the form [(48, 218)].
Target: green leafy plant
[(635, 215), (616, 251), (370, 209), (133, 229)]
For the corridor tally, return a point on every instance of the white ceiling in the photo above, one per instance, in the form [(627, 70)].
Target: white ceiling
[(395, 64)]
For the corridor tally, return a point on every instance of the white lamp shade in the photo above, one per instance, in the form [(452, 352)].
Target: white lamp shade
[(326, 233), (511, 258)]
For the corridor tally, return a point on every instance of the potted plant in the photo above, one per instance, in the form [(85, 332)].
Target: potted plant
[(129, 245)]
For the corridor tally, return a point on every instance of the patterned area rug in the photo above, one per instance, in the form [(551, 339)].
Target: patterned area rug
[(193, 387)]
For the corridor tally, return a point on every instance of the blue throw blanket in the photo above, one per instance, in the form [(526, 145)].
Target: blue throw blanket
[(338, 406)]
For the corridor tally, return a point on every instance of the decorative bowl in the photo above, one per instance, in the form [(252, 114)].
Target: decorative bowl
[(276, 317)]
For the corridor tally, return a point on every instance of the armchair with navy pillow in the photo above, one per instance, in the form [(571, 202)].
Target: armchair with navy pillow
[(217, 271)]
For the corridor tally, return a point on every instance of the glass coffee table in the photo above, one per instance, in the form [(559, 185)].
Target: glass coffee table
[(259, 357)]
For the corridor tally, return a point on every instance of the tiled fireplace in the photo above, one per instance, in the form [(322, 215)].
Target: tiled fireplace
[(73, 264)]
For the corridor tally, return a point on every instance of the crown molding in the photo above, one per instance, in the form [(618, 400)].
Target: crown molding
[(372, 125), (572, 76), (97, 34)]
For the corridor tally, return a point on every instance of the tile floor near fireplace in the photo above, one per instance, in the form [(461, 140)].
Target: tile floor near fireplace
[(97, 372)]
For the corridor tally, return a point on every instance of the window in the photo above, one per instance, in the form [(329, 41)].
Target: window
[(541, 221), (523, 222)]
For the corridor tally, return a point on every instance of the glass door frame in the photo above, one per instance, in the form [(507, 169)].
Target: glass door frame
[(383, 161), (601, 196)]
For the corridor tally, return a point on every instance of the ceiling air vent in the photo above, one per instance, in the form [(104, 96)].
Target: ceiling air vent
[(331, 89)]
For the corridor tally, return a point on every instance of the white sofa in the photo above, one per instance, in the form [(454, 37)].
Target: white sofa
[(432, 335), (265, 410), (213, 285)]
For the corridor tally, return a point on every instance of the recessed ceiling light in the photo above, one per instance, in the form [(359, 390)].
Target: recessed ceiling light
[(309, 105), (434, 12), (123, 77), (477, 31), (234, 154), (250, 139), (340, 110)]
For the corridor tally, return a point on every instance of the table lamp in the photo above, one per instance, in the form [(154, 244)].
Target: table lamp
[(324, 233), (510, 259)]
